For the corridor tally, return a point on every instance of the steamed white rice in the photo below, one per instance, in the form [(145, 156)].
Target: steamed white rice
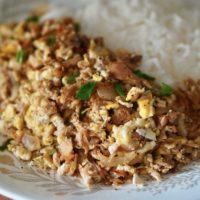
[(166, 33)]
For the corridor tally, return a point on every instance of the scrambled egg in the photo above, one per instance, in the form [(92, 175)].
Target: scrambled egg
[(145, 104), (33, 122), (122, 134), (111, 105), (97, 78), (134, 93), (8, 113)]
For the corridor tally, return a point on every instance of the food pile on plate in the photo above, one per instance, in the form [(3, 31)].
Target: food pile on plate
[(68, 103)]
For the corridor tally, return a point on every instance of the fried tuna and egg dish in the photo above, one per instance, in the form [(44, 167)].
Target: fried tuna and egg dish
[(69, 104)]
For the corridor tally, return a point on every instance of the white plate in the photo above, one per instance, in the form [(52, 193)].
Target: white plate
[(19, 181)]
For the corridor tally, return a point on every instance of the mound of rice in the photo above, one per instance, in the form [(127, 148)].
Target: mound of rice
[(166, 33)]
